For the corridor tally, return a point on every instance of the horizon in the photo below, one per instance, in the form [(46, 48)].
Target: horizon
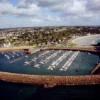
[(42, 13), (49, 26)]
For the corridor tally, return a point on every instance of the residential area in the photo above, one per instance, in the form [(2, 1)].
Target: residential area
[(43, 36)]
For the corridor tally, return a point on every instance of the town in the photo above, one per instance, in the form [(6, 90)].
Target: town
[(43, 36)]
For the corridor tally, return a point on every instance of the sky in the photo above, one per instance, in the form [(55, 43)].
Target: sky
[(30, 13)]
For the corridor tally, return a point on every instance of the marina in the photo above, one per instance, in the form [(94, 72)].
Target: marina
[(49, 62)]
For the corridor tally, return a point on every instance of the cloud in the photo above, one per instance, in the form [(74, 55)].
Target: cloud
[(59, 7), (4, 0), (52, 11), (50, 3), (25, 3), (8, 8), (93, 5)]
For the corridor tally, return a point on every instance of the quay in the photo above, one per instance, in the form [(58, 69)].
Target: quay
[(51, 80)]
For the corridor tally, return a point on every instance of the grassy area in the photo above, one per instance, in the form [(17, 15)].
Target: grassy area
[(71, 45)]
